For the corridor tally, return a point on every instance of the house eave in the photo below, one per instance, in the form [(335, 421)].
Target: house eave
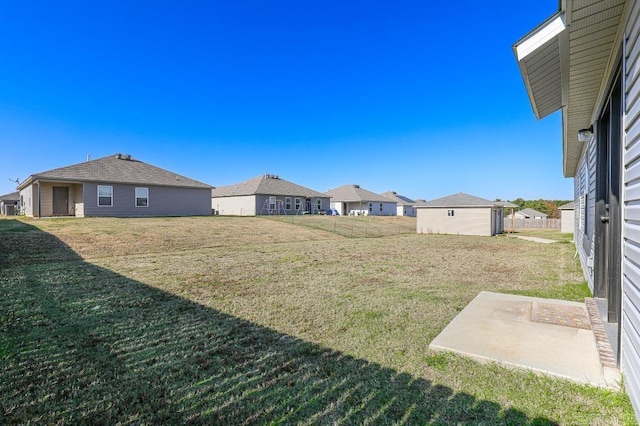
[(541, 58), (570, 69)]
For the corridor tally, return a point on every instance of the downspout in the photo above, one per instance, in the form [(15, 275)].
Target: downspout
[(39, 212)]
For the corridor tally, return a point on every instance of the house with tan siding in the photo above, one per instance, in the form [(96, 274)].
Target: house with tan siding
[(352, 200), (584, 62), (267, 195), (118, 186), (460, 214)]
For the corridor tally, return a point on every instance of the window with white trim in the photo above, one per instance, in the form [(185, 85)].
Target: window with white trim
[(287, 203), (380, 207), (142, 197), (371, 207), (297, 203), (105, 195), (319, 204)]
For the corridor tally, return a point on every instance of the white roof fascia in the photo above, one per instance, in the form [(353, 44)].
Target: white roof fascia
[(541, 35)]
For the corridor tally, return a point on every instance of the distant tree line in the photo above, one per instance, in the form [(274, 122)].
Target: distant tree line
[(549, 207)]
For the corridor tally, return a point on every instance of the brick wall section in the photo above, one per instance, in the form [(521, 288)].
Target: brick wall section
[(607, 358)]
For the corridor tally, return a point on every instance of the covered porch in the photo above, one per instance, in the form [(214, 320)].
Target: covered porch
[(57, 198)]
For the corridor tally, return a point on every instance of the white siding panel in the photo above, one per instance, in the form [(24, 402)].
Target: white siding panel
[(632, 172), (632, 212), (632, 231), (633, 191), (235, 206), (632, 271)]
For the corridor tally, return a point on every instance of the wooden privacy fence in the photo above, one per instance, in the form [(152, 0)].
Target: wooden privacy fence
[(533, 224)]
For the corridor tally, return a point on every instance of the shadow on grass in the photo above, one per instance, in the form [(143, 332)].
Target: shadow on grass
[(79, 343)]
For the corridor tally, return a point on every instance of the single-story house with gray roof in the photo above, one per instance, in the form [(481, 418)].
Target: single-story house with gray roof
[(405, 205), (9, 204), (267, 195), (461, 214), (529, 213), (117, 186), (355, 201)]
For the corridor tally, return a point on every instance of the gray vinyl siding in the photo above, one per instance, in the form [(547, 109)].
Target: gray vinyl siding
[(585, 183), (163, 201), (630, 339), (465, 221)]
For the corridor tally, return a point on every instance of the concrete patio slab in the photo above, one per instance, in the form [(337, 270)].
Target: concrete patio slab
[(519, 331)]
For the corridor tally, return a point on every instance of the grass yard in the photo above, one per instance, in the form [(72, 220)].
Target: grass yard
[(353, 226), (220, 320)]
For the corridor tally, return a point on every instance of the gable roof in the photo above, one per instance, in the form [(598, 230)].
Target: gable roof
[(459, 200), (420, 202), (14, 196), (116, 168), (400, 199), (353, 193), (265, 185), (568, 206), (532, 213)]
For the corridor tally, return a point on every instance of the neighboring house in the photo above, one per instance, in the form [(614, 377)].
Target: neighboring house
[(355, 201), (529, 214), (567, 218), (9, 204), (583, 61), (267, 195), (117, 185), (461, 214), (419, 202), (404, 204)]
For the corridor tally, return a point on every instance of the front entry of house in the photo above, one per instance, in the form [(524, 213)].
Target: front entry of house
[(608, 209), (60, 200)]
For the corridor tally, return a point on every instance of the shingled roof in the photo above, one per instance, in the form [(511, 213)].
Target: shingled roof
[(400, 199), (532, 213), (459, 200), (568, 206), (116, 168), (266, 185), (353, 193), (14, 196)]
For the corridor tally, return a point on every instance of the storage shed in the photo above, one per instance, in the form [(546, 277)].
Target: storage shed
[(567, 218), (461, 214)]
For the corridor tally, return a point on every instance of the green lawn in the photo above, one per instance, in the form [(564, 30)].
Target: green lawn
[(220, 320)]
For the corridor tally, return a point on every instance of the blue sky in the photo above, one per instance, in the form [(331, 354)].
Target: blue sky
[(423, 98)]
